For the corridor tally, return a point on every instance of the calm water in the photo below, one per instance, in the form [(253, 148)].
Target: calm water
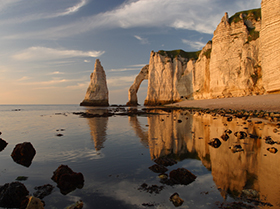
[(114, 155)]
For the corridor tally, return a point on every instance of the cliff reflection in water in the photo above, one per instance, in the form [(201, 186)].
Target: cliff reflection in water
[(98, 127), (183, 135)]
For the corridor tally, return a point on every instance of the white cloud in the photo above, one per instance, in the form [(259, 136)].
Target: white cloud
[(24, 78), (79, 86), (56, 73), (121, 81), (142, 40), (74, 8), (138, 65), (194, 44), (199, 15), (124, 69), (43, 53), (86, 61)]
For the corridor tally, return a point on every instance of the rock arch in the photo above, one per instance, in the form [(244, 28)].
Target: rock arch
[(132, 92)]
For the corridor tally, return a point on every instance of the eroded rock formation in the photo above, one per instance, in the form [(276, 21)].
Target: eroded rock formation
[(132, 93), (97, 92), (240, 60)]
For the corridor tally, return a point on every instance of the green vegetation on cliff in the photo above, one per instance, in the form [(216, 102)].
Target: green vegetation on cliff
[(254, 14), (247, 15), (180, 52)]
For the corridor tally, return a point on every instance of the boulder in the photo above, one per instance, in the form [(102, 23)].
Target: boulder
[(97, 92), (23, 154), (12, 194), (3, 144), (67, 180), (176, 200), (215, 142), (181, 176)]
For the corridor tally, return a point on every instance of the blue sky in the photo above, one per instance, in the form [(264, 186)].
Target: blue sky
[(49, 47)]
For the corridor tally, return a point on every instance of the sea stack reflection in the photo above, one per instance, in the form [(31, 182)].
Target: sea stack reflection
[(97, 92)]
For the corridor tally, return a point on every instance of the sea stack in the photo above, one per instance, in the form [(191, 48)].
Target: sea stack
[(97, 92)]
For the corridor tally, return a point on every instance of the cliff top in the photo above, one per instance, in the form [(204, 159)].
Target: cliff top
[(180, 52), (247, 15)]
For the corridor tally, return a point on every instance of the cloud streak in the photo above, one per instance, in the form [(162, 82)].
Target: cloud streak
[(198, 15), (194, 44), (44, 53)]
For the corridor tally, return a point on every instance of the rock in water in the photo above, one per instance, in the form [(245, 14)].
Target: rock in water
[(97, 92), (67, 180), (12, 194), (23, 154)]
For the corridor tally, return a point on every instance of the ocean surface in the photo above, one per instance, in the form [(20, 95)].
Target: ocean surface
[(114, 155)]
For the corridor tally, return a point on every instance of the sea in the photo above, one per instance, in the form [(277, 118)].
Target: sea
[(115, 155)]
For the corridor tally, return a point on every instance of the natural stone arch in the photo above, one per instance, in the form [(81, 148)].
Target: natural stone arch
[(132, 92)]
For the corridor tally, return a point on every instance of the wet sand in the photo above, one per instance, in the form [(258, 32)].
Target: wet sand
[(270, 102)]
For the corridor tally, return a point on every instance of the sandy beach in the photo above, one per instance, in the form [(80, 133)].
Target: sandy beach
[(270, 102)]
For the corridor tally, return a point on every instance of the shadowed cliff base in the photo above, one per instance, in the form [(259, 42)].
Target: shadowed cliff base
[(268, 102), (95, 103)]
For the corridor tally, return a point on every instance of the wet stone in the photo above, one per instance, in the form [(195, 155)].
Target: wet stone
[(158, 168), (268, 140), (3, 144), (180, 176), (165, 161), (240, 134), (272, 150), (176, 200), (236, 148), (12, 194), (23, 154), (151, 189), (67, 180), (225, 137), (43, 191), (215, 142)]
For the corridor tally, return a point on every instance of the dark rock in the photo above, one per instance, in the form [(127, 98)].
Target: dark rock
[(181, 176), (176, 200), (165, 161), (67, 180), (225, 137), (180, 121), (215, 142), (151, 189), (228, 131), (240, 134), (268, 140), (12, 194), (59, 135), (3, 144), (43, 191), (236, 148), (158, 168), (229, 119), (272, 150), (23, 154), (252, 136)]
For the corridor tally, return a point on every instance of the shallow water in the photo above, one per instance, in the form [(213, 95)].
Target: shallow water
[(114, 154)]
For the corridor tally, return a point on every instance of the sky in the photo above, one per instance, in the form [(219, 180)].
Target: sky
[(48, 47)]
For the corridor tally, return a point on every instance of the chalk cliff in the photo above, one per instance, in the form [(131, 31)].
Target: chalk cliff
[(240, 60), (165, 71), (270, 44), (97, 92)]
